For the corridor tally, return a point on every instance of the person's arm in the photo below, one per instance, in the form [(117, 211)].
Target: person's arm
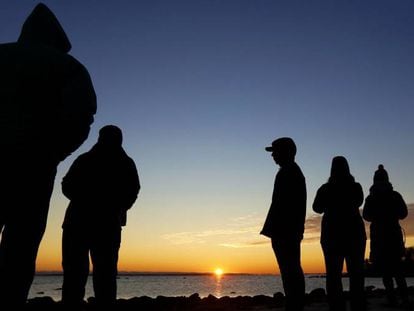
[(71, 181), (319, 204), (402, 210), (358, 195), (367, 211), (76, 110), (132, 185)]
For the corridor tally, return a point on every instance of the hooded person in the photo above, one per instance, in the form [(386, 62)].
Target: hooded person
[(47, 104), (384, 207), (102, 184)]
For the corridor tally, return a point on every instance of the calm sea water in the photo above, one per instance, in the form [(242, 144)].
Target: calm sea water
[(185, 285)]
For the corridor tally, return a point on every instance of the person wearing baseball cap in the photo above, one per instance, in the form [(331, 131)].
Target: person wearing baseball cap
[(285, 221)]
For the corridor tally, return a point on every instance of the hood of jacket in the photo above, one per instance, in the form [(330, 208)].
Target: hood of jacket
[(42, 27)]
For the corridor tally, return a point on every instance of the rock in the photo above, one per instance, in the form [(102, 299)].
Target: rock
[(278, 299), (317, 295)]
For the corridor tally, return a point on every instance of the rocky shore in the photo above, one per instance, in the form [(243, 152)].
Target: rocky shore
[(315, 300)]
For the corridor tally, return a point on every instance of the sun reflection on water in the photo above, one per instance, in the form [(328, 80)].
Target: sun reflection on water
[(219, 286)]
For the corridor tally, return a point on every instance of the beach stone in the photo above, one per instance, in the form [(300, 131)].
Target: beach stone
[(317, 295), (195, 297), (262, 300), (278, 299), (139, 301), (210, 298), (164, 301), (41, 303), (225, 300)]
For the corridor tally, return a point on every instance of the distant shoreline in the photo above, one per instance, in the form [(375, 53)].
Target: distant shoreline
[(126, 273)]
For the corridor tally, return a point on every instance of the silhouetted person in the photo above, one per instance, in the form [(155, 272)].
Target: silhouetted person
[(47, 103), (343, 235), (101, 185), (286, 220), (384, 207)]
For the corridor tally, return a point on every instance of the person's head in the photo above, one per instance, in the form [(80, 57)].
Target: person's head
[(42, 26), (283, 150), (340, 169), (110, 137), (381, 175)]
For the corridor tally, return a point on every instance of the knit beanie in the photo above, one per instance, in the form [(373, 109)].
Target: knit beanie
[(381, 174)]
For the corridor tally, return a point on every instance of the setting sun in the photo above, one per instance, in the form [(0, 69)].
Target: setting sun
[(218, 272)]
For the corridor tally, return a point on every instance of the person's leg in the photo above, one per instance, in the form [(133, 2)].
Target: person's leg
[(288, 258), (387, 265), (334, 265), (388, 282), (75, 263), (355, 267), (104, 254), (18, 252), (24, 215), (400, 280)]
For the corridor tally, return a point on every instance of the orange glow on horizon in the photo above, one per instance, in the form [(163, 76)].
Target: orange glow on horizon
[(139, 256), (218, 272)]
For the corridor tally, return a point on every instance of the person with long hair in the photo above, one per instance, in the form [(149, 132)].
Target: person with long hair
[(343, 235)]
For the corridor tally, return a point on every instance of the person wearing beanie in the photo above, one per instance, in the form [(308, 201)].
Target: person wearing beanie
[(384, 207)]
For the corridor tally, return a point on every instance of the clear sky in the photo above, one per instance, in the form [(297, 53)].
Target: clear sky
[(200, 87)]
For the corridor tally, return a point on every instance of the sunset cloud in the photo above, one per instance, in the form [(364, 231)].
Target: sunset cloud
[(313, 226), (201, 236), (244, 231), (312, 229)]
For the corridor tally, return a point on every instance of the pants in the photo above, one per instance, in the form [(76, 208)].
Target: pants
[(334, 260), (103, 246), (391, 267), (288, 258), (26, 191)]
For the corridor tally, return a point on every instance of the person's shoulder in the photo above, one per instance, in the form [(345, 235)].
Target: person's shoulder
[(292, 169), (7, 52), (129, 160), (396, 194), (84, 157), (357, 184), (357, 188), (72, 64), (8, 45), (325, 187)]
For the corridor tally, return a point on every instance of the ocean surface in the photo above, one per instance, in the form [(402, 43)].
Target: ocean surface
[(153, 285)]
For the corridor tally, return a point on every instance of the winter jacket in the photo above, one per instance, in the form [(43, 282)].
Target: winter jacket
[(384, 207), (101, 187), (47, 100), (342, 224), (286, 216)]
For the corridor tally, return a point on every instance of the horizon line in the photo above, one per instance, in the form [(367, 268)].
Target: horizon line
[(170, 273)]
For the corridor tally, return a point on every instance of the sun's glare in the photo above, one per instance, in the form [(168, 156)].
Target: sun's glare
[(218, 272)]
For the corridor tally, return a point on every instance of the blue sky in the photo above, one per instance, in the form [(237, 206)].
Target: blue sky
[(201, 87)]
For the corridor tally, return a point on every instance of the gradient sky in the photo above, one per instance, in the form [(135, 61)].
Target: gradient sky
[(200, 87)]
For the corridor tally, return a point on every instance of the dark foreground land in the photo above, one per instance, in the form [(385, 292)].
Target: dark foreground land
[(316, 300)]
